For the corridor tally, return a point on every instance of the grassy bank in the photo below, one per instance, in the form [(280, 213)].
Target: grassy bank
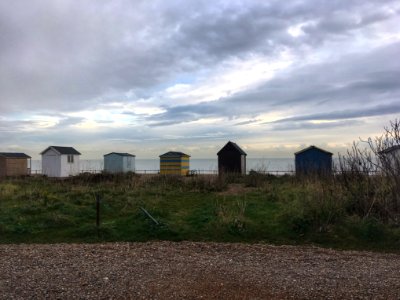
[(255, 208)]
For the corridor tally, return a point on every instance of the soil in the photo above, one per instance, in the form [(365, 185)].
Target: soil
[(187, 270)]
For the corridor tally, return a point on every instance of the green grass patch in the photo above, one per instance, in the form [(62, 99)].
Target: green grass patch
[(266, 209)]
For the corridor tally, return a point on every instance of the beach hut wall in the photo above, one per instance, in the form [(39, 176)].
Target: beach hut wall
[(174, 163), (60, 161), (231, 159), (390, 158), (14, 164), (117, 162), (313, 160)]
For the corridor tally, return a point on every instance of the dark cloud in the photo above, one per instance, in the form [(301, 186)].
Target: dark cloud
[(366, 85), (379, 110), (13, 126), (247, 122), (343, 22), (186, 113), (63, 56), (295, 125), (350, 80)]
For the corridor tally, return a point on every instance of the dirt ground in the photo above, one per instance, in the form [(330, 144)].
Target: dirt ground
[(167, 270)]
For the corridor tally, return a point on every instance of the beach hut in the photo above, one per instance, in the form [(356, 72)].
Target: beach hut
[(116, 162), (231, 159), (60, 161), (313, 160), (174, 163), (14, 164), (390, 158)]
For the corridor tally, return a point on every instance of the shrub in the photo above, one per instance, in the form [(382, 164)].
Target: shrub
[(371, 176), (317, 207)]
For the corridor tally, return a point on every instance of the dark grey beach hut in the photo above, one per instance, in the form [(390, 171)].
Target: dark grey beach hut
[(313, 160), (231, 159)]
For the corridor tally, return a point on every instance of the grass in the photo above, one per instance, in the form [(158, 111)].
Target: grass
[(255, 208)]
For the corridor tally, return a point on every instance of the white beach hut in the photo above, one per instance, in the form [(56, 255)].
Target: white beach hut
[(390, 158), (116, 162), (60, 161)]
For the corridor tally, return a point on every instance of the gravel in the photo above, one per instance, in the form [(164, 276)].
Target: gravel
[(168, 270)]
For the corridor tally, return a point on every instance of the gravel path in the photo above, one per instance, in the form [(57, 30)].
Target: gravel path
[(167, 270)]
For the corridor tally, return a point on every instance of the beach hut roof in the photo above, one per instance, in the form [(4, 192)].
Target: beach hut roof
[(120, 154), (234, 145), (173, 154), (62, 150), (14, 155), (313, 147)]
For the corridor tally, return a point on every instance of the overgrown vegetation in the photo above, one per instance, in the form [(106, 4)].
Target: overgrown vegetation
[(357, 208), (370, 174), (203, 208)]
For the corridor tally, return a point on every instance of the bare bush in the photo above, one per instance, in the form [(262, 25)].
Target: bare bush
[(370, 173)]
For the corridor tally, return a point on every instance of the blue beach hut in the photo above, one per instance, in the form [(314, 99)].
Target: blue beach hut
[(313, 160)]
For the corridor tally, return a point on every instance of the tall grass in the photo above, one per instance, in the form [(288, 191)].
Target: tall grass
[(356, 208)]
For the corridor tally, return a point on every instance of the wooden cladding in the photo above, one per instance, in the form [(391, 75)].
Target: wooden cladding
[(178, 165), (13, 166)]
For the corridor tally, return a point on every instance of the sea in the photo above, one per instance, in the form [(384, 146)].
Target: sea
[(201, 165)]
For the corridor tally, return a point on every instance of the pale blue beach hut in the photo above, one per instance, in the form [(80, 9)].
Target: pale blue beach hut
[(116, 162)]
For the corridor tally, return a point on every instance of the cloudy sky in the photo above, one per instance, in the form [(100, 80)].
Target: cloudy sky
[(151, 76)]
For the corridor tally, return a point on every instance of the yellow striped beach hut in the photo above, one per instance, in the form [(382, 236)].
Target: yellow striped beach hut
[(174, 163)]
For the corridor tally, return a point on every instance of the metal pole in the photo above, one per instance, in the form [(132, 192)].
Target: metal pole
[(149, 215)]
